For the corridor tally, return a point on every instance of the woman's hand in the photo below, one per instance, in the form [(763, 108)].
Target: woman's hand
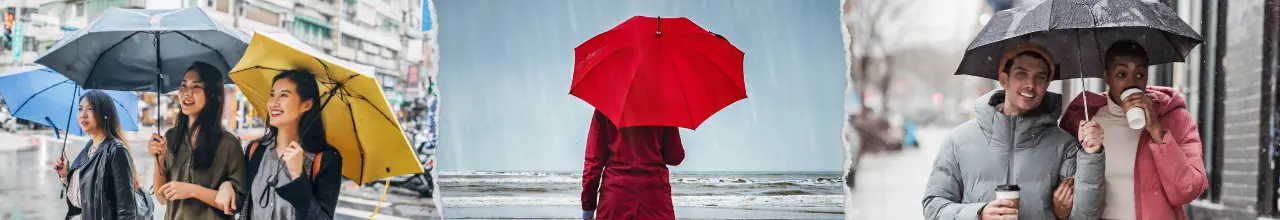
[(179, 190), (157, 148), (60, 166), (1090, 136), (226, 198), (293, 159), (1153, 127), (1063, 198)]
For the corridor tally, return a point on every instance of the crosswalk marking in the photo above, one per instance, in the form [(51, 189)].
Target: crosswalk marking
[(363, 201), (364, 214)]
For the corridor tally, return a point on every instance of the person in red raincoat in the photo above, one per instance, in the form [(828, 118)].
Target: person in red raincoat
[(633, 162)]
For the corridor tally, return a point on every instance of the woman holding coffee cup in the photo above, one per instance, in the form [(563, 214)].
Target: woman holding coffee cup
[(1153, 162)]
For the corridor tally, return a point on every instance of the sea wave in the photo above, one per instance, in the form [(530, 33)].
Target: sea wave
[(681, 201), (737, 181), (555, 178), (488, 173)]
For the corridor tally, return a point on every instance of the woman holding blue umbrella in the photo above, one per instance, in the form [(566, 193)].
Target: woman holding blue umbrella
[(102, 182), (204, 164)]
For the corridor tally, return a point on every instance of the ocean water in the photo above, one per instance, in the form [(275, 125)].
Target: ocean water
[(689, 189)]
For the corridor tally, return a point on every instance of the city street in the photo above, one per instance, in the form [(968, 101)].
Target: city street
[(36, 194), (891, 185)]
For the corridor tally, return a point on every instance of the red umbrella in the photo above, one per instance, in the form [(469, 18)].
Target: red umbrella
[(658, 72)]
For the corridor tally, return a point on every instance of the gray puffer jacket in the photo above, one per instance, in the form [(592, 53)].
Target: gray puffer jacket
[(974, 160)]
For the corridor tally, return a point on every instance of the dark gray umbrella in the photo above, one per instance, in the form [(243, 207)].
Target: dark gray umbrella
[(132, 49), (144, 50), (1077, 33)]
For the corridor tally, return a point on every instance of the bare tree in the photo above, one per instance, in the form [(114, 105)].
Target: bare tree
[(871, 25)]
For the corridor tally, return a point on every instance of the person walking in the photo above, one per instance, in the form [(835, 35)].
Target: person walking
[(102, 183), (293, 172), (1015, 141), (1154, 166), (204, 164), (625, 174)]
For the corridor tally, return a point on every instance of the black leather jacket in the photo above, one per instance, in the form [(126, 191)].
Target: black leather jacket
[(106, 183)]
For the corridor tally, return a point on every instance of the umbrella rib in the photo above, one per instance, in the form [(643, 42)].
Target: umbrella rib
[(356, 131), (257, 67), (28, 100), (224, 57), (100, 55), (366, 100), (684, 91), (118, 103), (726, 73)]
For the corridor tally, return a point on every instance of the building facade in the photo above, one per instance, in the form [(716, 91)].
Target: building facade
[(385, 34), (1230, 83)]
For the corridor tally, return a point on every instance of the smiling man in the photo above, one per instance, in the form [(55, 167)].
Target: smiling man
[(1020, 119)]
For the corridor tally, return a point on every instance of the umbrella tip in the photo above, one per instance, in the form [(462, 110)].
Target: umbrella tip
[(659, 26)]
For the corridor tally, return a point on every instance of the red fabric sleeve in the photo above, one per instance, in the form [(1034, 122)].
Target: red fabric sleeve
[(596, 157), (672, 148), (1178, 160)]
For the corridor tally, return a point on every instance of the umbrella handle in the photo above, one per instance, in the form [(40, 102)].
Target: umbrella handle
[(1080, 68)]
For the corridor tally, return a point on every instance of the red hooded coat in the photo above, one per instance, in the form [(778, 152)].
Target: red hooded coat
[(633, 162)]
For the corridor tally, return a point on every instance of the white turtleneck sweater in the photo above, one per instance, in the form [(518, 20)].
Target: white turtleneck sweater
[(1121, 148)]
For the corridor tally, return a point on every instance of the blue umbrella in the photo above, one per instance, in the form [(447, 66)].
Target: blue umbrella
[(43, 96)]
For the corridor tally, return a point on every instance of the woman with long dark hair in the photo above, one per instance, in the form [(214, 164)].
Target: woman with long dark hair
[(204, 163), (101, 183), (293, 172)]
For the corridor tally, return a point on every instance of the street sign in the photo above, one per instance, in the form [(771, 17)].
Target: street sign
[(17, 40), (426, 15)]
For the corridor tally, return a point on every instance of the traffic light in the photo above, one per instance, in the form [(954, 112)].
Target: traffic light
[(8, 20), (6, 39)]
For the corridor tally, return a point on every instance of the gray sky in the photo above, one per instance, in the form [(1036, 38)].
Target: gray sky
[(505, 69)]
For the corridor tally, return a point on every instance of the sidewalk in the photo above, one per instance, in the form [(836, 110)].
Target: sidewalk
[(14, 142), (891, 185)]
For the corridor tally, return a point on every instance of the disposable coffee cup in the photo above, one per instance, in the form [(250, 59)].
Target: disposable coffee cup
[(1135, 116), (1008, 192)]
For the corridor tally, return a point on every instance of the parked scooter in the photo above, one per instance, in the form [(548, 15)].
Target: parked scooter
[(421, 183)]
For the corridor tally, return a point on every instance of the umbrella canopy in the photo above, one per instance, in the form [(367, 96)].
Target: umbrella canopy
[(40, 95), (1078, 32), (127, 49), (658, 72), (356, 114)]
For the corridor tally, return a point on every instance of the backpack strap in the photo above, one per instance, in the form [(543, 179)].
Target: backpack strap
[(315, 166), (253, 147)]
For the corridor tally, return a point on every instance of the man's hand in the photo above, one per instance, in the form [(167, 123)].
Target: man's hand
[(999, 209), (1090, 136), (1063, 198), (1154, 128)]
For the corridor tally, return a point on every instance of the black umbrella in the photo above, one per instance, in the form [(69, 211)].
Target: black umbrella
[(1078, 32), (144, 50)]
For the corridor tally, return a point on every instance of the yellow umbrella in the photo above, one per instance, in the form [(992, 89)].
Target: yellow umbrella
[(358, 118)]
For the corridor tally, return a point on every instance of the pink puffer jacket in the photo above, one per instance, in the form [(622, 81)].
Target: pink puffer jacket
[(1166, 176)]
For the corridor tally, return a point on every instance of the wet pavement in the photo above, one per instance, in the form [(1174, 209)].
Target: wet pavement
[(29, 188), (890, 185)]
